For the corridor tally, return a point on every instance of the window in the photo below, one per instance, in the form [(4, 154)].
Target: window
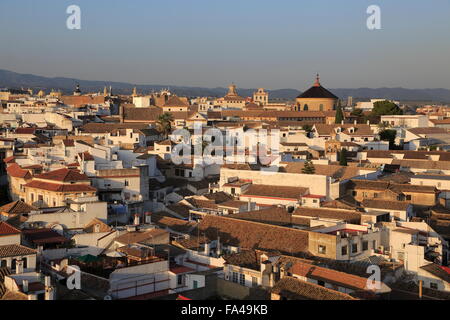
[(408, 197), (433, 285), (3, 264), (179, 279), (354, 248), (242, 279), (233, 191), (322, 249), (195, 284), (126, 183), (375, 195), (344, 250), (25, 263), (13, 264), (254, 282), (234, 277), (321, 283), (365, 245)]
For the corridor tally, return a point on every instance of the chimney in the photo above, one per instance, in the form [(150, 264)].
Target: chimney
[(49, 293), (121, 113), (136, 220), (420, 288), (218, 248), (207, 248), (48, 281), (148, 217), (25, 286), (19, 266)]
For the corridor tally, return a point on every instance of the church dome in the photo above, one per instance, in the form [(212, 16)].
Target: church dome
[(317, 91)]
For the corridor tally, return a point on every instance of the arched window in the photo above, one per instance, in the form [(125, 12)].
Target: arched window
[(25, 263), (305, 107), (3, 264)]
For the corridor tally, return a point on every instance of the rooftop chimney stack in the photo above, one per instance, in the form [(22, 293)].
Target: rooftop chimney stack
[(25, 286), (148, 217), (136, 220), (19, 266)]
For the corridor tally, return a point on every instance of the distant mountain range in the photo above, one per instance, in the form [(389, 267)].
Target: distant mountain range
[(9, 79)]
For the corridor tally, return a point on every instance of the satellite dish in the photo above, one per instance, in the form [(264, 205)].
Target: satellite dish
[(58, 228)]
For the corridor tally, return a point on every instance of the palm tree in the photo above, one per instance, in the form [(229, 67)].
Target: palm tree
[(164, 123)]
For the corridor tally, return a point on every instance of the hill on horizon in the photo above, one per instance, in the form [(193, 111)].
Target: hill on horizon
[(9, 79)]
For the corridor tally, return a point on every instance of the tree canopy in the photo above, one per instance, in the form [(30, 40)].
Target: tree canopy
[(381, 108), (164, 123), (339, 114), (343, 157), (308, 167)]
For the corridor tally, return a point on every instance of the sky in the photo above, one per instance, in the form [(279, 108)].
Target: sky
[(211, 43)]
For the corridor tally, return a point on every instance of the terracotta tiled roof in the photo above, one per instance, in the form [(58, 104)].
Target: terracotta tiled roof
[(109, 127), (253, 235), (438, 271), (259, 190), (68, 143), (272, 215), (16, 171), (384, 204), (418, 164), (218, 197), (13, 250), (387, 185), (60, 187), (174, 101), (174, 224), (427, 130), (7, 230), (17, 207), (140, 236), (10, 159), (86, 156), (358, 129), (294, 289), (349, 216), (334, 171), (63, 175), (245, 259), (25, 130), (142, 114), (329, 275), (103, 227), (43, 236)]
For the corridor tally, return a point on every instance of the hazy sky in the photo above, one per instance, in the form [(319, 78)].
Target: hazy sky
[(255, 43)]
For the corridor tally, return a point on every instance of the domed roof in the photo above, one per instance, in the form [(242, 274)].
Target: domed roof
[(317, 91)]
